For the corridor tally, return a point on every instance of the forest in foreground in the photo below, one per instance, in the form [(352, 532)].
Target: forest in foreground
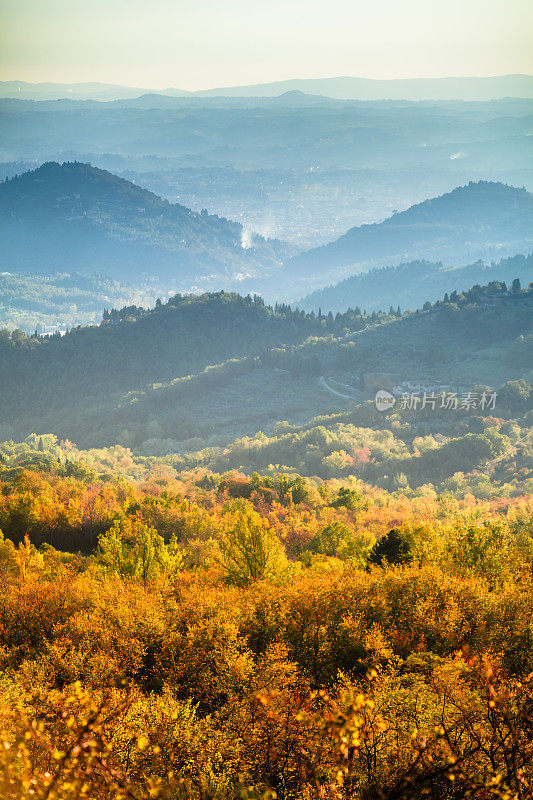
[(204, 636)]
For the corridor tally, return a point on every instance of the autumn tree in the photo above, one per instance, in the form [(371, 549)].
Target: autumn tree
[(250, 551)]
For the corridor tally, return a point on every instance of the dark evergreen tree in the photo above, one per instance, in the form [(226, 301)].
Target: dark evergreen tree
[(393, 548)]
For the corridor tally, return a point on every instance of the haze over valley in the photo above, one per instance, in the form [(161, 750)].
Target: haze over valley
[(295, 167)]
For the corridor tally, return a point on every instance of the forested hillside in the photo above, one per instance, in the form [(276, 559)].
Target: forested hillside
[(76, 218), (266, 400), (481, 220), (411, 285), (191, 376), (134, 346)]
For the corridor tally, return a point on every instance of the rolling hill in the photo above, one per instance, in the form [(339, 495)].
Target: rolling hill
[(97, 367), (412, 284), (34, 302), (87, 90), (480, 220), (76, 218), (201, 371)]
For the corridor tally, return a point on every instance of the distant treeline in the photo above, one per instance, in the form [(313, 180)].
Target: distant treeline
[(415, 283)]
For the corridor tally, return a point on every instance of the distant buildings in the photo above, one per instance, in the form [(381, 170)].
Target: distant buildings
[(52, 330), (420, 387)]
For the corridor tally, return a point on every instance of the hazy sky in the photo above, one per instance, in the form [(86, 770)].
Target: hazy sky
[(197, 44)]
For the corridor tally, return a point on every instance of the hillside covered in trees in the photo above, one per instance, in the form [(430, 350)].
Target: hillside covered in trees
[(298, 168), (266, 401), (481, 220), (197, 635), (76, 218), (411, 285), (190, 378)]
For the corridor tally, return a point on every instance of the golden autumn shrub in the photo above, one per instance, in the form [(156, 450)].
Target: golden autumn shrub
[(191, 645)]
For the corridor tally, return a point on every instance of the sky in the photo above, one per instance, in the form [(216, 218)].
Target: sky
[(201, 44)]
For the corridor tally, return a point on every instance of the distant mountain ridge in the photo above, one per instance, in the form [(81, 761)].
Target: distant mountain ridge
[(74, 91), (75, 217), (344, 88), (481, 220), (411, 285)]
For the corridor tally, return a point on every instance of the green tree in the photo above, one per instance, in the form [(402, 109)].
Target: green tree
[(349, 498), (139, 553), (516, 396), (483, 549), (396, 547), (327, 540), (250, 551)]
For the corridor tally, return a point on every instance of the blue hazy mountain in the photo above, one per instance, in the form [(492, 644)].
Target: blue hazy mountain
[(481, 220), (487, 88), (77, 218), (296, 167), (413, 284), (73, 91), (397, 89)]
